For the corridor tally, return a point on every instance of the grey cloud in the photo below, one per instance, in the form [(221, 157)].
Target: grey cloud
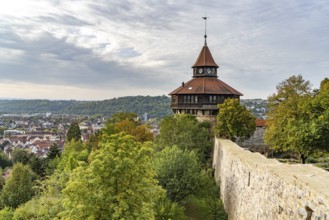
[(54, 61), (146, 13), (62, 19), (256, 43)]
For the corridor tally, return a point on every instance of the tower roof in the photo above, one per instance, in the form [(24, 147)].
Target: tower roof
[(205, 58), (206, 85)]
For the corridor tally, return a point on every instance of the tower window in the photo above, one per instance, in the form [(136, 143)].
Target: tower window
[(213, 99)]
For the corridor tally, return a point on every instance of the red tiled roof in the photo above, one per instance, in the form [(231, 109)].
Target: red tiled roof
[(260, 122), (206, 85), (205, 58), (43, 143)]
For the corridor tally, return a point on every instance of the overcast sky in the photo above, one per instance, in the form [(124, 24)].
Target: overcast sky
[(100, 49)]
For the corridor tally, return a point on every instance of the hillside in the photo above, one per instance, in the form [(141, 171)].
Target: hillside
[(154, 106)]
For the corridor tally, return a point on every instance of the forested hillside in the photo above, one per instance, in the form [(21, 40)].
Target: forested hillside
[(154, 106)]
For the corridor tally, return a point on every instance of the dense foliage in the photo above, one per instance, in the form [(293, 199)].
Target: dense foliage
[(127, 122), (234, 120), (320, 110), (154, 106), (120, 173), (182, 166), (298, 117), (186, 133), (179, 172), (18, 188)]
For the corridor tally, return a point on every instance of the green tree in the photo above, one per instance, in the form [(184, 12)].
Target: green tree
[(48, 203), (178, 172), (289, 126), (5, 143), (6, 214), (94, 140), (74, 132), (18, 188), (38, 165), (52, 160), (206, 203), (20, 156), (186, 132), (53, 151), (52, 166), (234, 120), (74, 153), (324, 86), (2, 181), (140, 132), (127, 122), (122, 173), (44, 207), (4, 160), (166, 209), (121, 116), (320, 116)]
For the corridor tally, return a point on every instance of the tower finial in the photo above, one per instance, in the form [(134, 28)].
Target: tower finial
[(205, 30)]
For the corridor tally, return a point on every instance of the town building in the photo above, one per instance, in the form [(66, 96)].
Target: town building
[(201, 95)]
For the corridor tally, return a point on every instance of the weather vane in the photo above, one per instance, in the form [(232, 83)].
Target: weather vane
[(205, 30)]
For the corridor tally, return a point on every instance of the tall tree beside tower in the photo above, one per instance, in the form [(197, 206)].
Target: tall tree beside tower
[(234, 120), (290, 126)]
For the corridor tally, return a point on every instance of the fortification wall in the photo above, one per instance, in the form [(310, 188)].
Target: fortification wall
[(254, 187)]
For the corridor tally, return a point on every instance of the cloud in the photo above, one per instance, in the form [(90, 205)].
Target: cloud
[(53, 61), (147, 47)]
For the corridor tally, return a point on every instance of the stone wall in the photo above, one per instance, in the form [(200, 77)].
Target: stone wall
[(254, 187)]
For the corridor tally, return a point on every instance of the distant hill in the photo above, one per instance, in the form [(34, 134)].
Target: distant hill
[(154, 106)]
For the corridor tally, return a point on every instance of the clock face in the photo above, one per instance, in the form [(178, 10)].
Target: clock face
[(200, 70), (208, 70), (213, 70)]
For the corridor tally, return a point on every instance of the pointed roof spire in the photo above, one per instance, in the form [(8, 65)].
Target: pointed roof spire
[(205, 30), (205, 58)]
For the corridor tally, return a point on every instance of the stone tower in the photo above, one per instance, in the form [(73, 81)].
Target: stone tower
[(201, 95)]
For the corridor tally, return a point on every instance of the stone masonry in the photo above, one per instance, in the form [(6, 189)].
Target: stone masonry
[(254, 187)]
